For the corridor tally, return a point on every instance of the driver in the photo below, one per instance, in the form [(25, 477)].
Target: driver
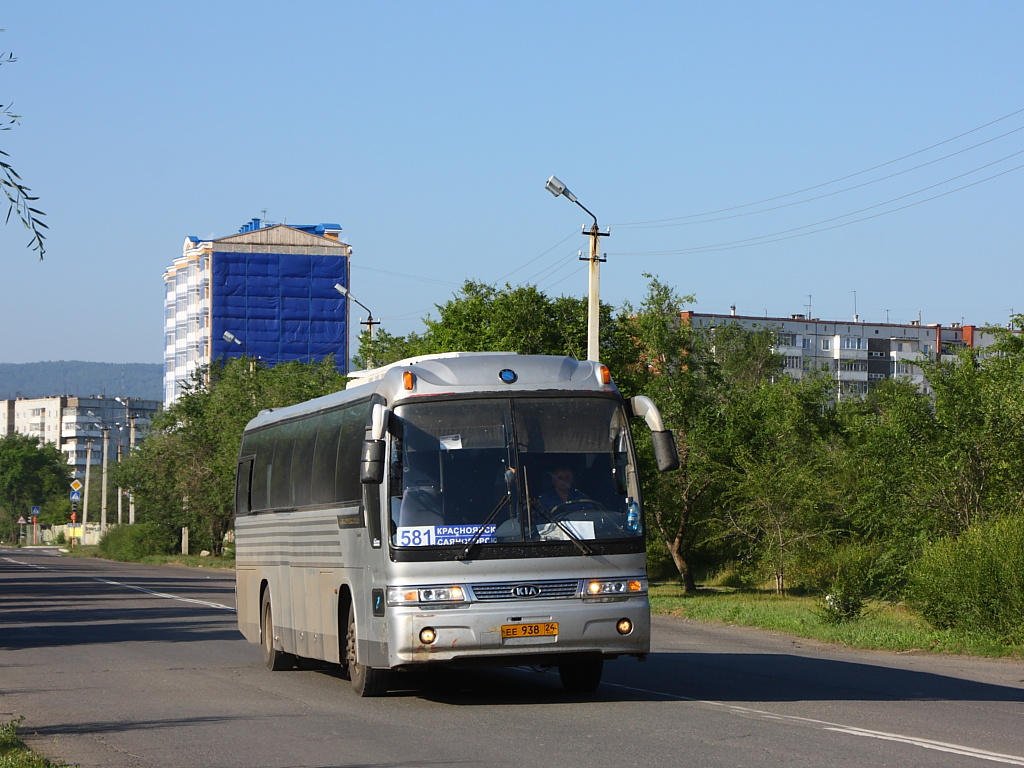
[(562, 490)]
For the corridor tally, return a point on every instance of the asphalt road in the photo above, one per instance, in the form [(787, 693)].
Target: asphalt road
[(117, 665)]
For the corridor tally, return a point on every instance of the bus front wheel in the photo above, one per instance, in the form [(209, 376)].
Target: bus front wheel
[(581, 676), (274, 658), (366, 681)]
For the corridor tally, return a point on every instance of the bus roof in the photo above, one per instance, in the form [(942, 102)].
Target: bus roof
[(456, 373)]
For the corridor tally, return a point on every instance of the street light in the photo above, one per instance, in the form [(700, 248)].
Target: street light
[(369, 321), (230, 338), (557, 188)]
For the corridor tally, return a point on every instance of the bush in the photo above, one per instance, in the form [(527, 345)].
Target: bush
[(131, 543), (974, 582)]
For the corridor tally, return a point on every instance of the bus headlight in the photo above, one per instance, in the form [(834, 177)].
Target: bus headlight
[(612, 589), (429, 595)]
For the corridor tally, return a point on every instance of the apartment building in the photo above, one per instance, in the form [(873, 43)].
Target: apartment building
[(266, 292), (858, 355), (80, 426)]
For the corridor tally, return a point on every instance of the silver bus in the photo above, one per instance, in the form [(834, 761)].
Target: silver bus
[(461, 510)]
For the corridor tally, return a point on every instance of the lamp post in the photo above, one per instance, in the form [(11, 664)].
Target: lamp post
[(557, 188), (369, 321)]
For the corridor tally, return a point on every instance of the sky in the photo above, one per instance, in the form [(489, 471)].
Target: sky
[(777, 156)]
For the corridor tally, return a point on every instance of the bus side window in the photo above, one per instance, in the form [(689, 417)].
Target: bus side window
[(302, 464), (325, 458), (243, 487), (347, 485), (264, 449)]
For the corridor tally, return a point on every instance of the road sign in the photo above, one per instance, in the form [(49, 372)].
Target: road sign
[(76, 485), (76, 496), (35, 511), (22, 520)]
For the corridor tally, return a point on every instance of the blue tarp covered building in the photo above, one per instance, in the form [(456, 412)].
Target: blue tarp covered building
[(269, 287)]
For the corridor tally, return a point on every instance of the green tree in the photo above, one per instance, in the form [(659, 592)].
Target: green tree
[(485, 318), (30, 474), (776, 499), (19, 197), (183, 474)]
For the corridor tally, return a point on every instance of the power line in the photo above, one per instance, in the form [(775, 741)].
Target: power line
[(761, 241), (403, 274), (831, 194), (827, 183), (545, 253)]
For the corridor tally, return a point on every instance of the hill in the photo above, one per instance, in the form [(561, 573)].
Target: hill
[(74, 377)]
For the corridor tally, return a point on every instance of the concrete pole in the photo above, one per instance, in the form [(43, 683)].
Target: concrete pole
[(131, 447), (594, 297), (120, 496), (85, 497), (103, 493)]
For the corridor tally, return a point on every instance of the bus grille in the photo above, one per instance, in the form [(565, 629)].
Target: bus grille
[(526, 590)]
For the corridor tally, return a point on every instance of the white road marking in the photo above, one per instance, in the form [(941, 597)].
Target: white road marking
[(164, 595), (956, 749)]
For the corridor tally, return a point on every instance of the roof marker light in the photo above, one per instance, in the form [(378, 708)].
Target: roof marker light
[(408, 380), (604, 374)]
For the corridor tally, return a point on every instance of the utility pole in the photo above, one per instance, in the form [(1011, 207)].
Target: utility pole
[(85, 497), (103, 492), (131, 447)]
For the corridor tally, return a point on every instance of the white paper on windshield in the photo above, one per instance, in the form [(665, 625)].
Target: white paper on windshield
[(584, 529), (451, 442)]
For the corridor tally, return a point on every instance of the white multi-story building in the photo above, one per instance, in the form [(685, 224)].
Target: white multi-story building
[(267, 291), (858, 355), (80, 427)]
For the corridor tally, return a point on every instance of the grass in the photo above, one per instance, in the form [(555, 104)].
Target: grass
[(14, 754), (883, 626), (192, 561)]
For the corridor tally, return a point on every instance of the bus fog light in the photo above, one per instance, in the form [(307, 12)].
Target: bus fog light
[(428, 635), (624, 626)]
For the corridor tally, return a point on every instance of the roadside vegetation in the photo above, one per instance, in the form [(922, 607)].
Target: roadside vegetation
[(902, 505), (14, 754), (882, 625)]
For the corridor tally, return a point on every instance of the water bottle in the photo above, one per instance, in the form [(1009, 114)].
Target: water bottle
[(633, 517)]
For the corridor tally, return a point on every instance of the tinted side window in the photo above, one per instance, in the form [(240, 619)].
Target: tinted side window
[(258, 443), (280, 466), (325, 457), (350, 443), (302, 462)]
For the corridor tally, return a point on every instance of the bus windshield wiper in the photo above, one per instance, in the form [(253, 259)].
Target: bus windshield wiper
[(581, 545), (479, 531)]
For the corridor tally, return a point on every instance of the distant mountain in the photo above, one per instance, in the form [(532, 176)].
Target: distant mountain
[(74, 377)]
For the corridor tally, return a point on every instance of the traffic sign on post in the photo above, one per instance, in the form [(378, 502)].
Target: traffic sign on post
[(76, 485), (76, 496)]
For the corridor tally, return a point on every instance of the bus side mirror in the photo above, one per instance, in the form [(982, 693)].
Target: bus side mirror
[(371, 463), (665, 451)]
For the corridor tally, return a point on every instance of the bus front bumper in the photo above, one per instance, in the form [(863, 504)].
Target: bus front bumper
[(509, 632)]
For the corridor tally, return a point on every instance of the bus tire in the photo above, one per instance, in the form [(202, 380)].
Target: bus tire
[(581, 676), (366, 681), (275, 659)]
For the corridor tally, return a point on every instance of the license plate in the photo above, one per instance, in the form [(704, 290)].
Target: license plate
[(543, 629)]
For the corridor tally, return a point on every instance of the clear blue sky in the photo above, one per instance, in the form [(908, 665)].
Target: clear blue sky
[(427, 130)]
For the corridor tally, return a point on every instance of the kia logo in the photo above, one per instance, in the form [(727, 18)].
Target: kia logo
[(526, 590)]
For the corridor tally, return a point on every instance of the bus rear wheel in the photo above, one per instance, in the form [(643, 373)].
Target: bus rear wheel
[(366, 681), (275, 659), (581, 676)]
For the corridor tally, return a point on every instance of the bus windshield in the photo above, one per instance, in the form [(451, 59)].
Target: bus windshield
[(507, 471)]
